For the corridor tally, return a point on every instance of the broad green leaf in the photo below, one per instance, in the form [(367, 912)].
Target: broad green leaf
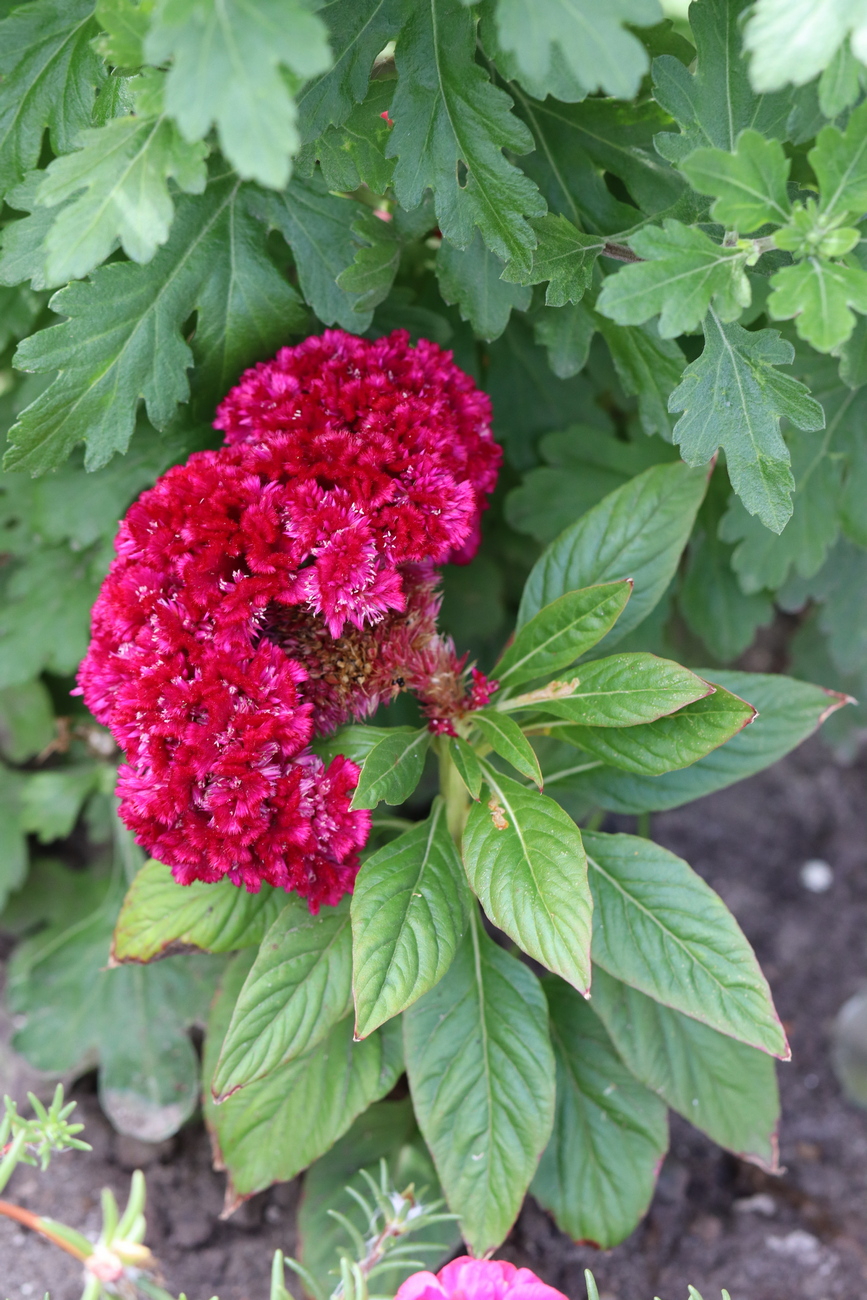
[(788, 712), (123, 339), (358, 31), (714, 604), (681, 273), (564, 256), (51, 801), (26, 721), (566, 333), (733, 397), (839, 586), (818, 295), (159, 917), (118, 181), (610, 1132), (354, 742), (298, 988), (227, 71), (561, 632), (124, 26), (469, 769), (278, 1125), (22, 242), (48, 78), (620, 691), (13, 845), (670, 743), (589, 36), (447, 113), (839, 160), (507, 739), (637, 532), (71, 1006), (481, 1072), (318, 228), (723, 1087), (393, 768), (370, 275), (387, 1131), (472, 279), (648, 367), (51, 632), (713, 103), (659, 928), (793, 40), (353, 153), (840, 83), (525, 861), (409, 912), (748, 185), (19, 309)]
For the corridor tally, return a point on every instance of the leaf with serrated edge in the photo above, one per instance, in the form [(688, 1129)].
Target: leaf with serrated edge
[(734, 397), (160, 917), (409, 912), (393, 768), (840, 162), (749, 185), (658, 927), (610, 1134), (723, 1087), (525, 861), (481, 1073), (564, 256), (473, 279), (670, 743), (299, 987), (562, 631), (507, 739), (818, 295), (638, 532), (621, 691)]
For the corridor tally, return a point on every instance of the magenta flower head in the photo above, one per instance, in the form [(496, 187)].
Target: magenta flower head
[(477, 1279), (278, 586)]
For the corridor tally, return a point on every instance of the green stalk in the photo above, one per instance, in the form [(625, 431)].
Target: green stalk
[(454, 792)]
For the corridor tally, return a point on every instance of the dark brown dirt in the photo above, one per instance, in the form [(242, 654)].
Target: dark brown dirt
[(714, 1221)]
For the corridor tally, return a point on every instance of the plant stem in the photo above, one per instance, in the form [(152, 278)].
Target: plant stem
[(453, 791), (36, 1224)]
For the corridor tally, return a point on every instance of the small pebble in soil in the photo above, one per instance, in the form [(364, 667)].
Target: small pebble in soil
[(817, 875), (761, 1203)]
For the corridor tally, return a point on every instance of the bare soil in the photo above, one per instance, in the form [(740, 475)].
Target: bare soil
[(715, 1221)]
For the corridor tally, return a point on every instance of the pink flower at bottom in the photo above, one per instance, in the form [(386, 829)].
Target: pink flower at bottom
[(477, 1279)]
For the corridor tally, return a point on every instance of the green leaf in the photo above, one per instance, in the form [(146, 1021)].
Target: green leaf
[(566, 333), (818, 294), (795, 42), (227, 71), (464, 758), (51, 632), (123, 169), (637, 532), (354, 742), (507, 739), (648, 367), (318, 228), (377, 257), (723, 1087), (447, 113), (561, 632), (71, 1006), (589, 36), (358, 31), (481, 1071), (472, 280), (49, 78), (409, 912), (19, 309), (788, 712), (13, 845), (610, 1132), (393, 768), (123, 339), (749, 185), (278, 1125), (681, 274), (525, 861), (659, 928), (671, 742), (733, 397), (51, 801), (839, 160), (715, 102), (353, 153), (840, 83), (298, 988), (564, 256), (124, 26), (159, 917), (619, 691), (26, 721)]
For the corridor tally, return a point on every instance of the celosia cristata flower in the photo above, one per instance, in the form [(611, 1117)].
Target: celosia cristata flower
[(279, 586), (477, 1279)]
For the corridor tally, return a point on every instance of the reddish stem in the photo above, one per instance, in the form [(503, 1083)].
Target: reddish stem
[(36, 1224)]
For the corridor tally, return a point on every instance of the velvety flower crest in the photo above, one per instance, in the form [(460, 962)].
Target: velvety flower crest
[(278, 586), (477, 1279)]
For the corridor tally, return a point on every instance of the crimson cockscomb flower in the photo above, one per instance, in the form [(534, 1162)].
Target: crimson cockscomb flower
[(278, 586)]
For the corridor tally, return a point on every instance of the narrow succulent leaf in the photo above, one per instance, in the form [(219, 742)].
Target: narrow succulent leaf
[(561, 632), (525, 861), (393, 768), (659, 928), (409, 913), (507, 739)]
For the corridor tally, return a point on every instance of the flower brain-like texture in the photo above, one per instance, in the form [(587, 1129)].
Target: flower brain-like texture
[(477, 1279), (278, 586)]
